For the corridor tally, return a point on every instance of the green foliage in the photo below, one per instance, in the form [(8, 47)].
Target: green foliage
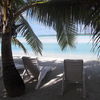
[(66, 13), (16, 42), (54, 15), (21, 26), (26, 31)]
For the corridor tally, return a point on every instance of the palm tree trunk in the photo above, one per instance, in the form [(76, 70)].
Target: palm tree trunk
[(14, 84)]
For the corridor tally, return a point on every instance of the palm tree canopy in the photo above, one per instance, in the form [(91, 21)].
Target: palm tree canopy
[(62, 15), (48, 14), (67, 13), (22, 27), (26, 31)]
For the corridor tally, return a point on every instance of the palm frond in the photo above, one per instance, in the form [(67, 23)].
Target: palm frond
[(18, 3), (93, 19), (58, 15), (16, 42), (51, 11), (26, 31), (27, 5), (66, 35), (96, 40), (54, 13)]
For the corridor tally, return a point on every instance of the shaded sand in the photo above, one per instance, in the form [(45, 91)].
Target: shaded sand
[(51, 87)]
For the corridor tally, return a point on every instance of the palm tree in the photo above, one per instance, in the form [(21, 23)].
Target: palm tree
[(9, 28), (12, 22), (62, 15)]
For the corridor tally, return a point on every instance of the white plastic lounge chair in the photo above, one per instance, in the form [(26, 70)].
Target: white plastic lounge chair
[(73, 73), (32, 66)]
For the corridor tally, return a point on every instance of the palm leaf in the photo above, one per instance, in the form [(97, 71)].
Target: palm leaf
[(65, 33), (16, 42), (93, 20), (54, 15), (55, 12), (18, 3), (26, 31)]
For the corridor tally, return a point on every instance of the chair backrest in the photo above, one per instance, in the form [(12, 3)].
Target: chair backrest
[(73, 70), (31, 65)]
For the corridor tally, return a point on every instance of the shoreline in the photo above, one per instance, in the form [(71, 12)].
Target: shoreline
[(48, 56)]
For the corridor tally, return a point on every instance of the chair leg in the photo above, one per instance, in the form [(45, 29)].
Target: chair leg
[(84, 88), (27, 72), (63, 86), (23, 74), (29, 80)]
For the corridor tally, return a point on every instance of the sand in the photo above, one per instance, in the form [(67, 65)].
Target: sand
[(52, 85)]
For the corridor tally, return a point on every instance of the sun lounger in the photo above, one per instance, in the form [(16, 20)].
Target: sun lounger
[(73, 73), (32, 66)]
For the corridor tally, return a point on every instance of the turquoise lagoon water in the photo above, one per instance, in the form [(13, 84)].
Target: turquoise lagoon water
[(83, 46)]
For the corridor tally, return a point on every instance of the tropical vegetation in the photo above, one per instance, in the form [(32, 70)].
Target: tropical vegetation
[(62, 15)]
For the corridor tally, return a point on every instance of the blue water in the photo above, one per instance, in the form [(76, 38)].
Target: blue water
[(81, 47)]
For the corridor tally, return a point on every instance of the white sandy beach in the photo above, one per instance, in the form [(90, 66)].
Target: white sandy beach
[(51, 87)]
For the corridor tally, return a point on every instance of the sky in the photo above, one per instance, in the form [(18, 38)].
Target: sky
[(41, 29)]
